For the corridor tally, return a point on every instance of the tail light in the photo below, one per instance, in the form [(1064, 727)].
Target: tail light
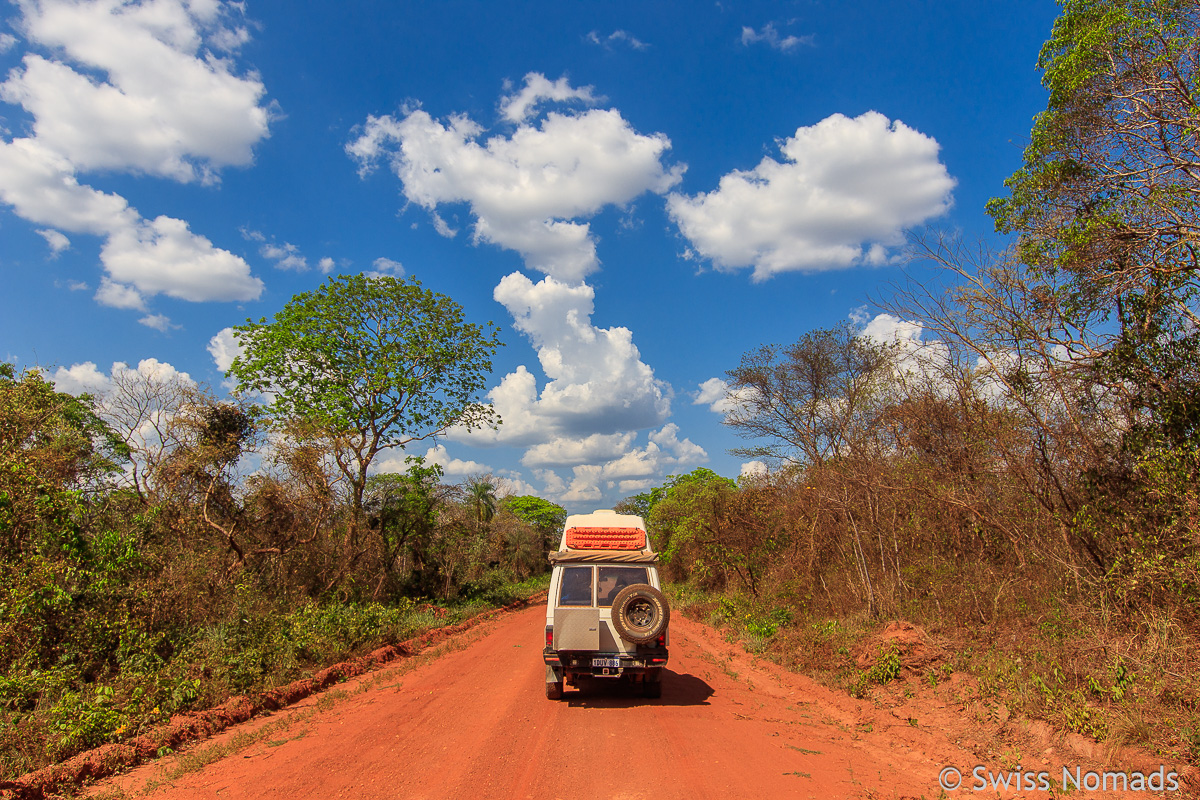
[(662, 639), (550, 637)]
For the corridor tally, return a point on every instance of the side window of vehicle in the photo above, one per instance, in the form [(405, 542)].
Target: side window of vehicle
[(576, 588), (613, 579)]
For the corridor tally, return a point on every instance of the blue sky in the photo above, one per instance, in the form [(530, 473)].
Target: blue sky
[(637, 193)]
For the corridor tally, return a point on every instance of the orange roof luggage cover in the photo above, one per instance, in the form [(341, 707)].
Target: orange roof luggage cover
[(606, 538)]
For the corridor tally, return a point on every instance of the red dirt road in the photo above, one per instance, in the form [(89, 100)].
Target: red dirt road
[(474, 723)]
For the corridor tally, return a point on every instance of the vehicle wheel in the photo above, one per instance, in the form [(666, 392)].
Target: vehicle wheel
[(652, 689), (554, 690), (640, 613)]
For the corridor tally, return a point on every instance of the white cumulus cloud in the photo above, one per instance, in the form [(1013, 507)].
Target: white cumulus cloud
[(286, 256), (597, 380), (753, 468), (616, 37), (511, 484), (118, 295), (720, 397), (166, 106), (159, 322), (526, 190), (162, 256), (224, 348), (86, 378), (843, 195), (386, 266), (914, 356), (662, 454), (80, 379), (714, 394), (681, 451), (132, 87), (890, 329), (584, 485), (451, 467), (55, 239), (566, 451), (769, 36), (533, 191), (602, 463), (522, 105)]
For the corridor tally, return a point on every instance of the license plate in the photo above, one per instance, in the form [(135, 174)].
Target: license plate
[(606, 662)]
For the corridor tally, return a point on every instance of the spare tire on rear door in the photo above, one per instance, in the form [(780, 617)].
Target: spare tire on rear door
[(640, 613)]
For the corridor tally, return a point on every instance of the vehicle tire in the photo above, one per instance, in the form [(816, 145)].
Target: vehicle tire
[(640, 613), (554, 690), (652, 689)]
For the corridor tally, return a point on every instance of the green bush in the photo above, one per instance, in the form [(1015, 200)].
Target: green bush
[(84, 721)]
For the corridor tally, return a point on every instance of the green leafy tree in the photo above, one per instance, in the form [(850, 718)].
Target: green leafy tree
[(403, 509), (481, 497), (374, 364), (542, 514), (62, 576), (546, 518), (711, 532), (642, 503), (637, 504), (54, 449), (1106, 204), (683, 507)]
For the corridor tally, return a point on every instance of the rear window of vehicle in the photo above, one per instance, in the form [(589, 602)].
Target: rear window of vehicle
[(576, 587), (611, 580)]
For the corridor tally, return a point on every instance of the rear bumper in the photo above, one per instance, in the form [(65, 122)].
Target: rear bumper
[(577, 662)]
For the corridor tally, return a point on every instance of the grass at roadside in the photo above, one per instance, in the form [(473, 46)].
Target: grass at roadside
[(47, 716), (1118, 681)]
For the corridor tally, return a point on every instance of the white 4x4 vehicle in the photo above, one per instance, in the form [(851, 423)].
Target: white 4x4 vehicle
[(606, 616)]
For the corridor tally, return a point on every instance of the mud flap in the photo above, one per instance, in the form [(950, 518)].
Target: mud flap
[(554, 683)]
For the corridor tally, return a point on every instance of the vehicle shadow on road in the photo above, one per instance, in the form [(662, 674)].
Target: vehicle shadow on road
[(678, 689)]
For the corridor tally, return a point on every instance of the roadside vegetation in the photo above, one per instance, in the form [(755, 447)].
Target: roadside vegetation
[(1017, 470), (162, 550)]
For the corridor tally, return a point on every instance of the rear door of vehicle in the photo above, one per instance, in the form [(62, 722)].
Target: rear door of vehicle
[(609, 580)]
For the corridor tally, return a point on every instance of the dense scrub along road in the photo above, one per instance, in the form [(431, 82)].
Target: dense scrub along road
[(473, 722)]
